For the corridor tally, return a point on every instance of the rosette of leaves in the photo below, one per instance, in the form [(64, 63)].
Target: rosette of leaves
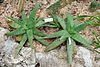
[(69, 34), (27, 28)]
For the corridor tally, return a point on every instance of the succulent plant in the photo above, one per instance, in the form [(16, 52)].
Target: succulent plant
[(27, 28), (69, 34)]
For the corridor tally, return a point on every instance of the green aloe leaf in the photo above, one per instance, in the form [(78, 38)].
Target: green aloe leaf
[(46, 25), (40, 23), (21, 44), (30, 37), (70, 21), (18, 31), (70, 49), (29, 23), (33, 12), (58, 34), (84, 25), (81, 39), (62, 22), (81, 27), (56, 43), (41, 40), (13, 25), (15, 20), (38, 33), (56, 21), (77, 23), (24, 16)]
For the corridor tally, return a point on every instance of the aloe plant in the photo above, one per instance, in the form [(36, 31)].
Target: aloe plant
[(28, 28), (69, 33)]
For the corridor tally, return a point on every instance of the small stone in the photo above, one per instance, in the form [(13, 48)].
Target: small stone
[(86, 57), (3, 37)]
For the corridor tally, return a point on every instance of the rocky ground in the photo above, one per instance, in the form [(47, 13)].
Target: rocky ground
[(56, 58)]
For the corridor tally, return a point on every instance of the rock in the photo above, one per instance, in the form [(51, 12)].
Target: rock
[(3, 37), (58, 58), (54, 58), (9, 45), (86, 55), (26, 58)]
